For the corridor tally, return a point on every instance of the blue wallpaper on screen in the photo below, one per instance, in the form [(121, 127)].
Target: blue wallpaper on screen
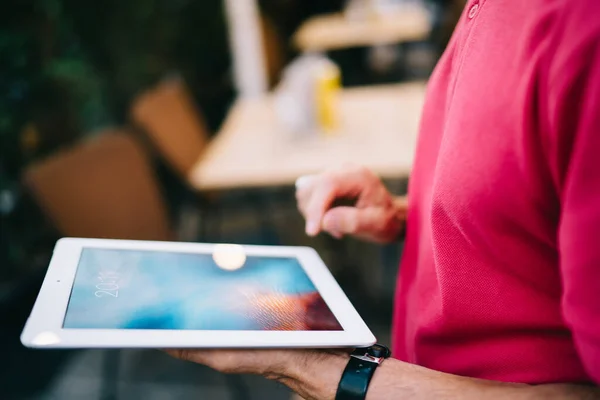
[(125, 289)]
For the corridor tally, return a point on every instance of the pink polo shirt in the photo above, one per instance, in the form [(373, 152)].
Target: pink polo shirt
[(500, 277)]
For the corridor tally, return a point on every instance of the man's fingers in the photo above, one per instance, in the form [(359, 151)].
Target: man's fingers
[(354, 221), (249, 361), (316, 206), (304, 186), (326, 188), (221, 360), (183, 354), (304, 181), (340, 221)]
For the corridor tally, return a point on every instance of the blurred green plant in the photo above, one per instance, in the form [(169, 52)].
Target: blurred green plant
[(47, 85), (68, 67), (71, 67)]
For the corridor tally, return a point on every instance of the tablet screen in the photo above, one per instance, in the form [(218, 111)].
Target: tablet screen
[(226, 290)]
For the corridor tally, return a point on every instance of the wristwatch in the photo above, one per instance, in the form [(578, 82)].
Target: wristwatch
[(359, 371)]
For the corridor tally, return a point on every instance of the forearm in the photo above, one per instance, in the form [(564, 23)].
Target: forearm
[(317, 377), (407, 381)]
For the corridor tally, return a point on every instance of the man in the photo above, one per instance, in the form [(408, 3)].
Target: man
[(499, 288)]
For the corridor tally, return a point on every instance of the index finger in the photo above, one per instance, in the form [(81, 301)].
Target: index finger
[(333, 185)]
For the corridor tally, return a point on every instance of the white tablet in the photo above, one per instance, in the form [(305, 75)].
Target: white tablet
[(137, 294)]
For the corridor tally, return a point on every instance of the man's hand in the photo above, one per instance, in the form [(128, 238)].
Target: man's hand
[(315, 374), (376, 215), (272, 364)]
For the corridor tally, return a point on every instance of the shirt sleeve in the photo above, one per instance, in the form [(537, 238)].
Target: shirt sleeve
[(575, 114)]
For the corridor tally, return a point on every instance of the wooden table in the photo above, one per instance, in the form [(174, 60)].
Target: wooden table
[(335, 31), (378, 129)]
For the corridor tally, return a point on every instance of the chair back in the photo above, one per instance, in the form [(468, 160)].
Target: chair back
[(102, 188), (167, 114)]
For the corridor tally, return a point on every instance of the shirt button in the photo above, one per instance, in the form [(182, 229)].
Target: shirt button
[(473, 10)]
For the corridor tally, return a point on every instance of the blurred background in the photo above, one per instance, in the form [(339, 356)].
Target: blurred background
[(190, 120)]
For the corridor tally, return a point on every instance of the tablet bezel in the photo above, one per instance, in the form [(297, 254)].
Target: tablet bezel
[(44, 328)]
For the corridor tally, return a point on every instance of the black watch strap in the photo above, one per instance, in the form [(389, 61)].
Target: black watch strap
[(359, 371)]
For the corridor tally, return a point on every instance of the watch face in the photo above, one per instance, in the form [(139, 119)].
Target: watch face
[(379, 350)]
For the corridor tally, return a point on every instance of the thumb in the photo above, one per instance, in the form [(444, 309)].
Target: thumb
[(354, 221)]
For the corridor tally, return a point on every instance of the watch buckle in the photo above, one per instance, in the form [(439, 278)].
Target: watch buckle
[(369, 358)]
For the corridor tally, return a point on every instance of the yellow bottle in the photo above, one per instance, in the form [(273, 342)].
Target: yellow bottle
[(328, 83)]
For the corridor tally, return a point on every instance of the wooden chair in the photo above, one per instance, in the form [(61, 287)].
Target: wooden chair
[(179, 135), (167, 114), (101, 188)]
